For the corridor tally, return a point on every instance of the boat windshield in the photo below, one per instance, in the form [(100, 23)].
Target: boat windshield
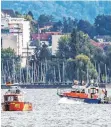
[(13, 98), (9, 98), (20, 98), (78, 88), (14, 91)]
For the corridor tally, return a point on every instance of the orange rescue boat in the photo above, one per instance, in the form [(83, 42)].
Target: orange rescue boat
[(14, 101)]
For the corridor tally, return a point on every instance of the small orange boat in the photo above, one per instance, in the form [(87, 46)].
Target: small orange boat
[(14, 101)]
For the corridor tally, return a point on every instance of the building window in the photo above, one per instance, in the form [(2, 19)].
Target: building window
[(4, 30)]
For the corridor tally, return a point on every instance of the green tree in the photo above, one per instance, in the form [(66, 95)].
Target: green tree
[(63, 48), (86, 27), (17, 14), (108, 62), (103, 24), (8, 64), (71, 69), (84, 64), (70, 25), (74, 44), (57, 26), (44, 52), (28, 17), (30, 13), (65, 25), (7, 53), (45, 19)]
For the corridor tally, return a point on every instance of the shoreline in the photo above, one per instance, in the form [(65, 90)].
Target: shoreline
[(38, 86), (47, 86)]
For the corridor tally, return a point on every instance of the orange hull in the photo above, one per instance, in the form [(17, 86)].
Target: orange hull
[(17, 106), (75, 95)]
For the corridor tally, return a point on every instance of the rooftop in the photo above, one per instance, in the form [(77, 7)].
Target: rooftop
[(9, 12)]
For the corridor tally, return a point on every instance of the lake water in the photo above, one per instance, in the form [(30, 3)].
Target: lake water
[(51, 111)]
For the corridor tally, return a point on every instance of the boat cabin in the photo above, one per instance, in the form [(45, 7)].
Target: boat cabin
[(13, 94), (13, 97), (14, 101), (78, 89)]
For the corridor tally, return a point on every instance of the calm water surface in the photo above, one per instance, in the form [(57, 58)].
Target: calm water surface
[(51, 111)]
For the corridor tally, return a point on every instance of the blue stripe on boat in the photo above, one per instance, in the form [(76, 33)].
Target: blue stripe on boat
[(95, 101)]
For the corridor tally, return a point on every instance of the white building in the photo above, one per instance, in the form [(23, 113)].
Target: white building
[(19, 28), (55, 40)]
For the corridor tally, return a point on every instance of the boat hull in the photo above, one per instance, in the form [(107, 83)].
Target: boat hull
[(85, 100), (92, 101), (17, 106)]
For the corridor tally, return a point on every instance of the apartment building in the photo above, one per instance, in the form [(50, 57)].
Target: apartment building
[(15, 33)]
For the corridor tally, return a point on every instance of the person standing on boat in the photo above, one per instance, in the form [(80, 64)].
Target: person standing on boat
[(76, 85), (105, 93), (17, 90)]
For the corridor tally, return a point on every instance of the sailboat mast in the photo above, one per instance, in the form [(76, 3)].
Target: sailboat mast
[(63, 71), (59, 72), (99, 72), (38, 73), (78, 74), (13, 70), (20, 69), (54, 75), (32, 70), (27, 63), (87, 75), (106, 72)]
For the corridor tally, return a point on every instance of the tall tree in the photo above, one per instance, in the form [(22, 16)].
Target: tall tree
[(70, 25), (28, 17), (31, 14), (65, 25), (45, 19), (103, 24), (57, 26), (86, 27), (84, 65), (44, 52), (74, 44), (63, 47)]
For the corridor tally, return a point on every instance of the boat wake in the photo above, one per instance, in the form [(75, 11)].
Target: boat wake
[(65, 100)]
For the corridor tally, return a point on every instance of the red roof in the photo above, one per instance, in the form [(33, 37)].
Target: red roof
[(97, 44), (54, 33), (43, 36)]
